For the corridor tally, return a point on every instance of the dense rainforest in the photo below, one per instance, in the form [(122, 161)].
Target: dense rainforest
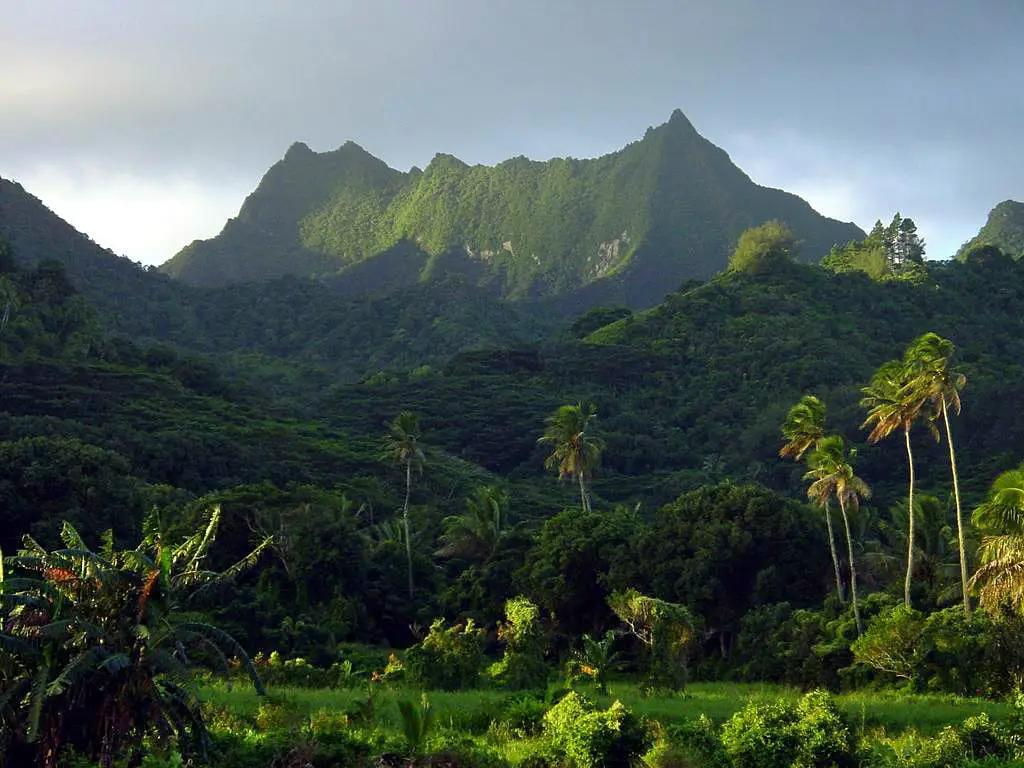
[(449, 468)]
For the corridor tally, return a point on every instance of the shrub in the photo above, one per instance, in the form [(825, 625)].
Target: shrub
[(812, 733), (589, 737), (447, 658), (522, 665)]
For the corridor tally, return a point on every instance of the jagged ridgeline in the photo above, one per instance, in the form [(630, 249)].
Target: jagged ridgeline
[(661, 210)]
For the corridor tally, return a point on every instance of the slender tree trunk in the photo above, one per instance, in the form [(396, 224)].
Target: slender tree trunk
[(583, 494), (835, 555), (853, 568), (910, 520), (405, 520), (959, 514)]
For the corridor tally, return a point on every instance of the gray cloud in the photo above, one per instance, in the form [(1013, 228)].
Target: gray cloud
[(864, 107)]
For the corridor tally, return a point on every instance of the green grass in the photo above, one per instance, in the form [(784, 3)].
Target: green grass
[(472, 711)]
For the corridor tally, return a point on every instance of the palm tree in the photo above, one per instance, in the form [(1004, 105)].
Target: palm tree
[(803, 428), (931, 382), (402, 445), (830, 468), (1000, 574), (575, 453), (891, 405), (476, 533)]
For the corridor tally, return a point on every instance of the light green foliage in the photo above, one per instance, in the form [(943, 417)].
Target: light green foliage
[(893, 251), (667, 630), (1000, 520), (416, 722), (522, 663), (448, 658), (763, 248), (891, 643), (780, 735), (1004, 230), (588, 737)]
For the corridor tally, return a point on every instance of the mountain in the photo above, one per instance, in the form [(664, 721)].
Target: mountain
[(1003, 229), (306, 331), (663, 209)]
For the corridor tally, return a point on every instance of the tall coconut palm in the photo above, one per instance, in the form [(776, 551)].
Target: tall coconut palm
[(803, 428), (402, 445), (574, 452), (1000, 518), (931, 382), (891, 405), (831, 470)]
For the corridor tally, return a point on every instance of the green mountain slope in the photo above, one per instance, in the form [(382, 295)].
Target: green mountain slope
[(1003, 229), (300, 331), (696, 388), (663, 209)]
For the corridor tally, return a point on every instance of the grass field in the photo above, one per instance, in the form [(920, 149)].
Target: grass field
[(472, 711)]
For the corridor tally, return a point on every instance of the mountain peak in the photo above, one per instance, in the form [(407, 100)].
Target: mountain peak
[(298, 149), (635, 222), (1003, 229), (678, 121)]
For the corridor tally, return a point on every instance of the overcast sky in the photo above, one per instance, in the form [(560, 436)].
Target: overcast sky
[(146, 123)]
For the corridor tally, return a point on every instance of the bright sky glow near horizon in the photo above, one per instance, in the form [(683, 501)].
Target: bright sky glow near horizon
[(146, 123)]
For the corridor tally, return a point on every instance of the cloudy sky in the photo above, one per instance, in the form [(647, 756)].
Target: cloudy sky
[(145, 123)]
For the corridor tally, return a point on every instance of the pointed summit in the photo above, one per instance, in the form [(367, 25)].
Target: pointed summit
[(634, 223), (680, 122)]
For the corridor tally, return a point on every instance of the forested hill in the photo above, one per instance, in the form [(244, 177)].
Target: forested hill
[(695, 389), (663, 209), (298, 331), (1004, 229)]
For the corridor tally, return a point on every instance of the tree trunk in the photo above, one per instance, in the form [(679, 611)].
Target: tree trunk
[(910, 520), (583, 494), (835, 555), (405, 520), (959, 514), (853, 569)]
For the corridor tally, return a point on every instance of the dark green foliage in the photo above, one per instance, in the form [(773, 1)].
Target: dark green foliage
[(595, 318), (448, 658), (588, 737), (724, 549), (95, 647), (571, 568), (943, 651)]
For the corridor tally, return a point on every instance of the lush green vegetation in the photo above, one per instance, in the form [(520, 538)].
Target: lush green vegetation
[(418, 512), (1003, 230), (663, 209)]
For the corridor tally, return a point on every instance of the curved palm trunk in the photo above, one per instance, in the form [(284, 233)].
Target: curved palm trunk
[(835, 555), (959, 514), (405, 520), (853, 569), (910, 520)]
